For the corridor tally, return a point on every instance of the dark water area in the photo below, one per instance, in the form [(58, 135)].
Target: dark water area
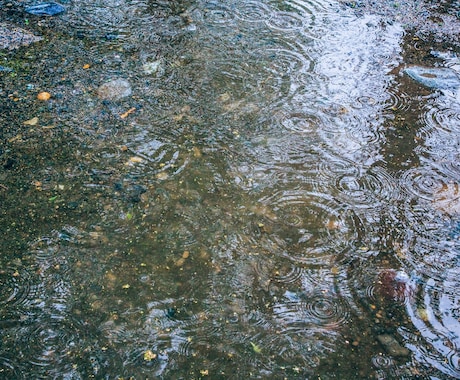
[(230, 190)]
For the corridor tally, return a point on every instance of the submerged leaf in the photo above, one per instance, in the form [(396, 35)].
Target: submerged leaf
[(256, 348), (149, 355), (32, 121)]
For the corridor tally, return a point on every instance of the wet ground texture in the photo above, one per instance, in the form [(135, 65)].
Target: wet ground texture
[(205, 189)]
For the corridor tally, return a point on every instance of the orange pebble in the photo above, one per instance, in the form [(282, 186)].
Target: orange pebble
[(44, 95)]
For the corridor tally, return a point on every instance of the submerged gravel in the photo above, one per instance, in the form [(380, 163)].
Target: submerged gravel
[(437, 19)]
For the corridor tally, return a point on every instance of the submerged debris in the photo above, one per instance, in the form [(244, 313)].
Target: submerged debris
[(392, 346), (13, 37), (438, 78), (392, 285), (45, 9), (151, 67), (5, 69), (114, 90)]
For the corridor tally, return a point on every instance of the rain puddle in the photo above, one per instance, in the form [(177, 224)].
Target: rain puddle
[(223, 190)]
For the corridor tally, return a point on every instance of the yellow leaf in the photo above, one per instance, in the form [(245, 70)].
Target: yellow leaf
[(335, 270), (149, 355), (162, 175), (32, 121), (125, 114), (196, 152), (135, 159), (17, 137)]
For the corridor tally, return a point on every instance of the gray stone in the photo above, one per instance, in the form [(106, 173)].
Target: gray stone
[(13, 37), (392, 346), (441, 78), (114, 90)]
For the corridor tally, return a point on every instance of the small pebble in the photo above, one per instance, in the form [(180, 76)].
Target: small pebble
[(44, 96)]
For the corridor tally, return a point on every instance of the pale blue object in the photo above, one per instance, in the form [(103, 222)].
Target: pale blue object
[(438, 78), (45, 9)]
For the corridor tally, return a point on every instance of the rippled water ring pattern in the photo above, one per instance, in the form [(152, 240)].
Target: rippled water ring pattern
[(326, 311), (436, 316), (244, 211), (253, 11), (425, 183), (368, 189), (17, 286)]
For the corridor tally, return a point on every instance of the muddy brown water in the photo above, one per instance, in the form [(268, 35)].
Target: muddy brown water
[(272, 199)]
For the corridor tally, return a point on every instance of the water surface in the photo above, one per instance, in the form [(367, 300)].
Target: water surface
[(278, 199)]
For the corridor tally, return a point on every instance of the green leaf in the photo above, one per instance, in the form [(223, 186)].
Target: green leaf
[(256, 348)]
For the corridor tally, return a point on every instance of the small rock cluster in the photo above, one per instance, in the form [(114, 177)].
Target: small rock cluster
[(13, 37)]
